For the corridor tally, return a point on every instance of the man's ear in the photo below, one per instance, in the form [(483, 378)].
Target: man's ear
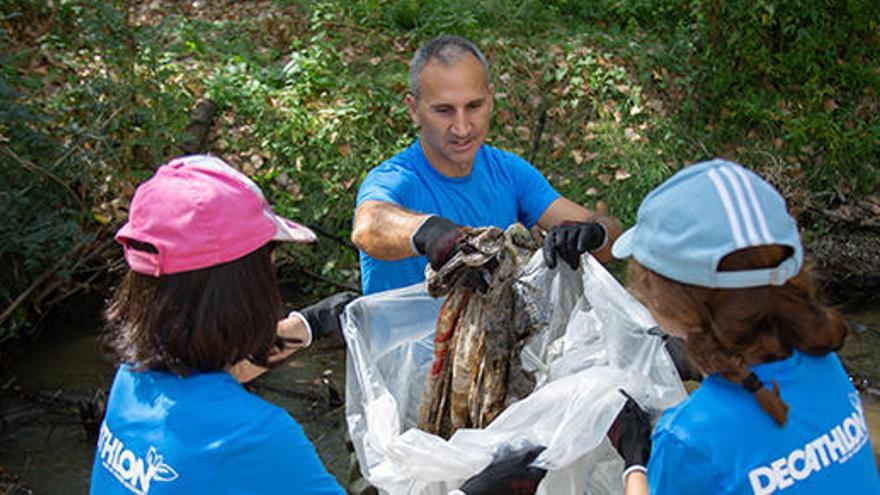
[(411, 105)]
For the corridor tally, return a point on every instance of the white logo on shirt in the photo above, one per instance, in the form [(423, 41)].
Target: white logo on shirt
[(838, 445), (132, 471)]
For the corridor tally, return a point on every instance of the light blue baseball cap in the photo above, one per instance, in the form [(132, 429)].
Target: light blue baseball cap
[(688, 224)]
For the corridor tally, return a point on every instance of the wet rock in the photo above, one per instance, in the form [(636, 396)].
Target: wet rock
[(10, 484), (91, 413)]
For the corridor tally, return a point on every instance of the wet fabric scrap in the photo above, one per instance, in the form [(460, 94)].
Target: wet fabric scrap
[(476, 369)]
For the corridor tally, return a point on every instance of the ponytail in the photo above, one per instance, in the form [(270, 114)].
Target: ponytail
[(736, 370), (770, 402)]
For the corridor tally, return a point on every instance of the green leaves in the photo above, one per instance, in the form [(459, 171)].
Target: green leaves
[(606, 97)]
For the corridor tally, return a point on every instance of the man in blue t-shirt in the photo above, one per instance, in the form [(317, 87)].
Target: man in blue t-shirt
[(410, 208)]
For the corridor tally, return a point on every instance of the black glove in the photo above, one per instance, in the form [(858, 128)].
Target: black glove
[(570, 240), (675, 346), (510, 475), (631, 434), (437, 238), (323, 316)]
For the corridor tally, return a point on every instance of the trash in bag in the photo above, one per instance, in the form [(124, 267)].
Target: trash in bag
[(597, 340), (479, 334)]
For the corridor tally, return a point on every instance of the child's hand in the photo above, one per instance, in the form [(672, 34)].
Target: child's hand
[(293, 333), (631, 435), (510, 475)]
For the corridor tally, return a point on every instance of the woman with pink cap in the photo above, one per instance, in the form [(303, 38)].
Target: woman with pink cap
[(718, 261), (200, 298)]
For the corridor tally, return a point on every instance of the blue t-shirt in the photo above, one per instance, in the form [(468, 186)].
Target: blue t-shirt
[(200, 434), (501, 189), (720, 441)]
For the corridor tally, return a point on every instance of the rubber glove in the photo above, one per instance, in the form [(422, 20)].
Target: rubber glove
[(510, 475), (437, 238), (570, 240), (631, 436), (322, 318)]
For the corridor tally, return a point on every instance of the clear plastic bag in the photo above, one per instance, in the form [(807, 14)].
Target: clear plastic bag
[(599, 339)]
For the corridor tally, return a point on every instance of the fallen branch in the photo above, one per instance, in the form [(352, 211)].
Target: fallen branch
[(32, 287), (81, 256), (539, 132), (339, 240), (322, 278), (863, 223), (28, 165)]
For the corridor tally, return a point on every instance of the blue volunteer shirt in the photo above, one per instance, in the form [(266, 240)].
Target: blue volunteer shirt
[(200, 434), (720, 441), (501, 189)]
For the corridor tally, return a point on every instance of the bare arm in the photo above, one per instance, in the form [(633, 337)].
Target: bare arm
[(291, 328), (383, 230), (564, 210), (636, 483)]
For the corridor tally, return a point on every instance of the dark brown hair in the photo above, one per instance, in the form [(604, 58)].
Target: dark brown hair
[(728, 329), (201, 320)]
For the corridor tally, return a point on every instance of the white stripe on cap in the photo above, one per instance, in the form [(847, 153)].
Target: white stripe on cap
[(744, 209), (759, 212), (728, 208)]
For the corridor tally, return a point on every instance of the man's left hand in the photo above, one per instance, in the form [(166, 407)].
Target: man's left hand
[(572, 239)]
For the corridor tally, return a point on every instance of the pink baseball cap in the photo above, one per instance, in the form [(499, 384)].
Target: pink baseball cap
[(199, 212)]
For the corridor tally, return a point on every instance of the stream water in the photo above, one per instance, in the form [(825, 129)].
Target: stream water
[(44, 446)]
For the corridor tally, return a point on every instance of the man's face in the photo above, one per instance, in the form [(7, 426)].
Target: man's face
[(453, 113)]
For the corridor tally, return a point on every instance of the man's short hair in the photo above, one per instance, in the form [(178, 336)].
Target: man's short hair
[(446, 50)]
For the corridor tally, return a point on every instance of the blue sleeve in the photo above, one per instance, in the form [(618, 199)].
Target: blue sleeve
[(533, 192), (276, 457), (387, 183), (676, 468)]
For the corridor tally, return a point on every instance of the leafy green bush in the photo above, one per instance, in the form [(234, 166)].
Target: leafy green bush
[(82, 118), (799, 76), (43, 214), (801, 70), (606, 97)]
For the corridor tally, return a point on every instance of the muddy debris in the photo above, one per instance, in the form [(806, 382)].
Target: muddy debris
[(847, 252), (476, 373)]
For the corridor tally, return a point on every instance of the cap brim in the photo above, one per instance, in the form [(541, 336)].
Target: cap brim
[(290, 231), (622, 247)]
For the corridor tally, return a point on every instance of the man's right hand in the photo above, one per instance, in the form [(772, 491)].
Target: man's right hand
[(437, 238)]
